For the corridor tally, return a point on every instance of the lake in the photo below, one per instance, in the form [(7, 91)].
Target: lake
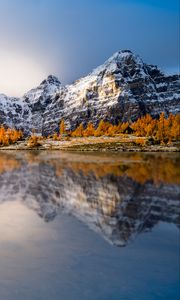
[(89, 226)]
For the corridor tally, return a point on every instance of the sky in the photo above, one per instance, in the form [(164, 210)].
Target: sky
[(68, 38)]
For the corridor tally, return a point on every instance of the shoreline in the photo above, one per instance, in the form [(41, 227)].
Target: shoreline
[(91, 144)]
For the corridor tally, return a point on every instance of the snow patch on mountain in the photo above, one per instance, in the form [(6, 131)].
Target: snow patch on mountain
[(123, 88)]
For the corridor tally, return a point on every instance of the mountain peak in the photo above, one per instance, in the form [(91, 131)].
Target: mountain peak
[(119, 60), (51, 79), (122, 89), (124, 56)]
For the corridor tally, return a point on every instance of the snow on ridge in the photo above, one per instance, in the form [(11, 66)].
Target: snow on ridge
[(118, 89)]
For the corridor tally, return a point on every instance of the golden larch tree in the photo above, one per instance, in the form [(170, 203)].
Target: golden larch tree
[(62, 127)]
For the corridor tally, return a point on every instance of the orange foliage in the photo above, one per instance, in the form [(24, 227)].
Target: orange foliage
[(62, 127), (90, 130), (7, 163), (140, 141), (78, 132), (34, 141), (102, 128), (144, 126), (55, 137), (9, 136), (159, 168), (162, 130)]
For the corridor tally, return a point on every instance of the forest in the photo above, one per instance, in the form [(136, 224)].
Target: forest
[(9, 136), (158, 131), (162, 130)]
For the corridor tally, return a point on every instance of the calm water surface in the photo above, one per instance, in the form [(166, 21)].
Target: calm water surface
[(90, 227)]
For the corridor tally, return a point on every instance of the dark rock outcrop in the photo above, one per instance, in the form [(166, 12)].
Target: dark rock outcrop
[(123, 88)]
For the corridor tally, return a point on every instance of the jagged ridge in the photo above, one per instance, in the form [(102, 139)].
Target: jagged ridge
[(123, 88)]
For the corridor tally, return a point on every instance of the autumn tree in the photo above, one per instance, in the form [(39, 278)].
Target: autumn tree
[(62, 127), (9, 136), (55, 137), (102, 128), (78, 132), (110, 130), (174, 129), (90, 130), (161, 128), (143, 126), (34, 141), (115, 129), (124, 127)]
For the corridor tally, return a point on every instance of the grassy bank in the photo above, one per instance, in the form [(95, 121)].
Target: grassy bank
[(113, 144)]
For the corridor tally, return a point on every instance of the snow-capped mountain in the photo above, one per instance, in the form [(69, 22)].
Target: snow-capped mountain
[(121, 89)]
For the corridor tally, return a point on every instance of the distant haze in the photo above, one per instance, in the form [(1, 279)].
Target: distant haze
[(69, 38)]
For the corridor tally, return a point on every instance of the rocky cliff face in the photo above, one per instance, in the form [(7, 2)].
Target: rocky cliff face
[(123, 88), (117, 207)]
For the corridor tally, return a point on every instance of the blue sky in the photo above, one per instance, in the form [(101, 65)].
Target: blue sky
[(69, 38)]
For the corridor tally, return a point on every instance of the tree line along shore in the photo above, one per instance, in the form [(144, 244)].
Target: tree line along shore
[(144, 132)]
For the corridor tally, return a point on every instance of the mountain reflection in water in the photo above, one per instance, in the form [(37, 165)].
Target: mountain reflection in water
[(118, 196)]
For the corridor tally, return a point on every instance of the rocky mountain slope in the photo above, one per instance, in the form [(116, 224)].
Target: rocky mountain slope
[(121, 89)]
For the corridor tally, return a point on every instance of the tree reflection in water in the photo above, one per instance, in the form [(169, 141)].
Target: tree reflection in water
[(118, 196)]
